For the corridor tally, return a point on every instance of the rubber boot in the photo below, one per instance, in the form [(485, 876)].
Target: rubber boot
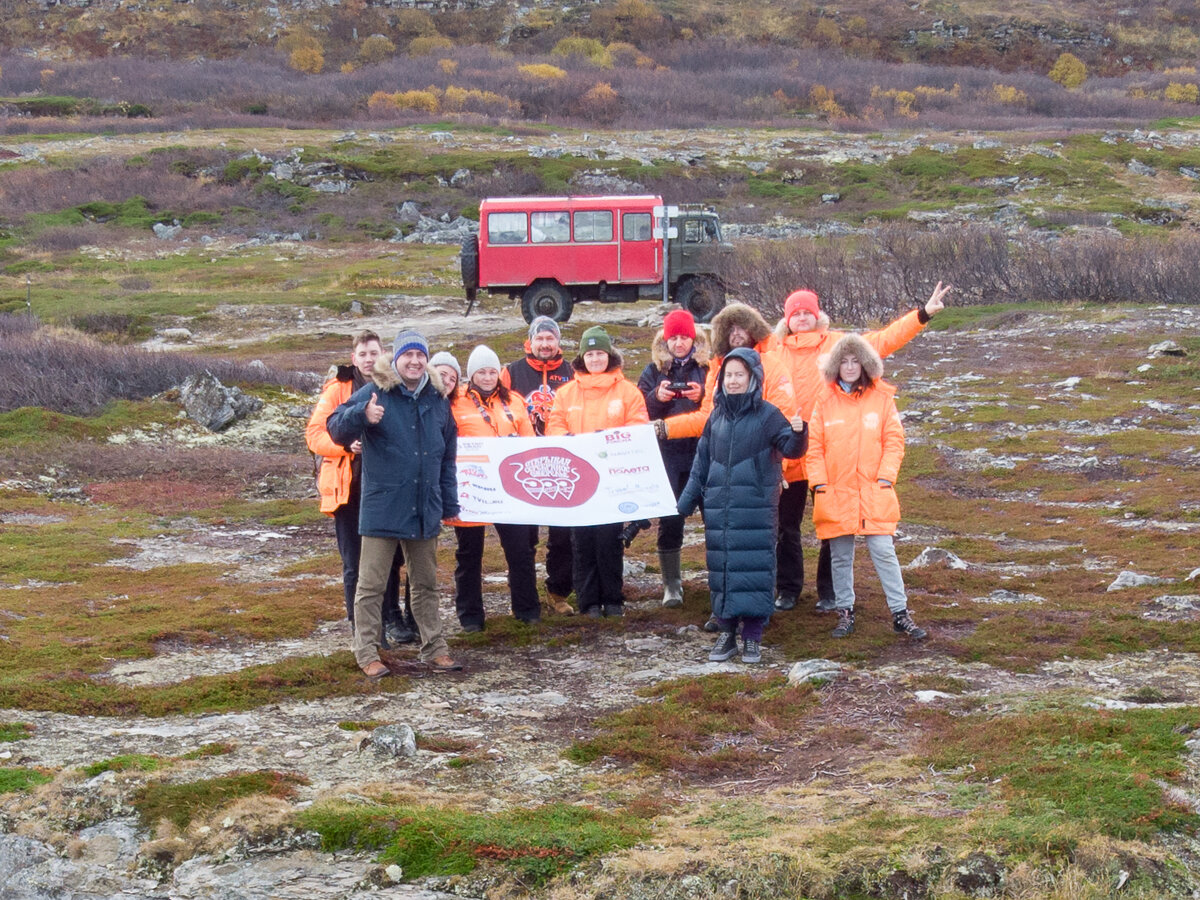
[(672, 577)]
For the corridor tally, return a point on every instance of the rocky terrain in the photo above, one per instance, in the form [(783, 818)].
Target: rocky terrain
[(520, 706)]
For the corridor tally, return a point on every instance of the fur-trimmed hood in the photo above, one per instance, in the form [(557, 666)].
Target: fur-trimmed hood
[(661, 356), (386, 377), (615, 361), (782, 330), (737, 314), (854, 345)]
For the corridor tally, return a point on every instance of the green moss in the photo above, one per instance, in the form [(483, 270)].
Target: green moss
[(12, 780), (536, 843), (14, 731), (680, 728), (1067, 772), (125, 763), (209, 750), (181, 803)]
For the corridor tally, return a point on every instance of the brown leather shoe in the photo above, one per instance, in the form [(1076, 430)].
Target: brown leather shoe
[(560, 605), (376, 670), (445, 664)]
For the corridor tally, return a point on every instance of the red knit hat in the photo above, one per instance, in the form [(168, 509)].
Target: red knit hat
[(679, 322), (802, 300)]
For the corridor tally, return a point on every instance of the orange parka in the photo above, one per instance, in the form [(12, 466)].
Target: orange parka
[(777, 385), (803, 354), (335, 474), (491, 417), (855, 439), (591, 402)]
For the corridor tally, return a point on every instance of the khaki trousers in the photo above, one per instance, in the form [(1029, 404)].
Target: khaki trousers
[(374, 565)]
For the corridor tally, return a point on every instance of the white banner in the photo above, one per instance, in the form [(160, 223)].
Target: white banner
[(615, 475)]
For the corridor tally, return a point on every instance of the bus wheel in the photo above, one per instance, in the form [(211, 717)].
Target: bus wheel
[(702, 296), (546, 298)]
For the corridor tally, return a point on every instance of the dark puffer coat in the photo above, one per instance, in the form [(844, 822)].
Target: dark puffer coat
[(737, 470), (677, 454), (408, 459)]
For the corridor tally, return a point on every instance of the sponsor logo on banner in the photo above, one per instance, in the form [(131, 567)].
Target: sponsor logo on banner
[(549, 476)]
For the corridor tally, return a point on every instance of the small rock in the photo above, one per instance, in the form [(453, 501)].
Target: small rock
[(830, 198), (394, 872), (1189, 173), (175, 335), (814, 670), (1192, 575), (1068, 384), (930, 696), (1166, 348), (166, 232), (935, 556), (1129, 579), (1140, 168), (461, 178), (1001, 595), (394, 740)]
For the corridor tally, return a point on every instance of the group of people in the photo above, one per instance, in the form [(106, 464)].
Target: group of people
[(749, 424)]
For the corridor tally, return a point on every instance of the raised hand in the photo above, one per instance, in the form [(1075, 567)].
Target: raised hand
[(374, 411), (934, 304)]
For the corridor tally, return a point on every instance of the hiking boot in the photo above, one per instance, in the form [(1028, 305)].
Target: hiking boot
[(712, 626), (785, 601), (397, 633), (559, 605), (826, 604), (725, 647), (751, 651), (593, 612), (672, 576), (902, 623), (614, 610), (472, 627), (845, 625)]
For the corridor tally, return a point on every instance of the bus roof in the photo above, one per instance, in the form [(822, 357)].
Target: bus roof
[(582, 200)]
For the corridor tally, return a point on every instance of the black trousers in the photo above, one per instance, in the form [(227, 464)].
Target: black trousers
[(599, 565), (560, 562), (468, 572), (670, 528), (349, 542), (789, 554)]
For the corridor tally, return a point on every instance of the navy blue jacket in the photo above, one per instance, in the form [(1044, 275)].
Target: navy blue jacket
[(409, 481), (738, 470)]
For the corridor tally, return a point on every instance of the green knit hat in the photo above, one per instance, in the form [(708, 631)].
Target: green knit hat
[(595, 338)]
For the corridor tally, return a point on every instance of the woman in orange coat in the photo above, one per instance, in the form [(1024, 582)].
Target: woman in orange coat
[(597, 397), (855, 449), (483, 407)]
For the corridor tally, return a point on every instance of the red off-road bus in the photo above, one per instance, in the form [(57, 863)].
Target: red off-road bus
[(553, 252)]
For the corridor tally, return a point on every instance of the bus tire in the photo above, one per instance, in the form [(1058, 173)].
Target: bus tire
[(546, 298), (470, 263), (702, 296)]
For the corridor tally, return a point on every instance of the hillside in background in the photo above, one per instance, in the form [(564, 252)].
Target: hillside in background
[(856, 64)]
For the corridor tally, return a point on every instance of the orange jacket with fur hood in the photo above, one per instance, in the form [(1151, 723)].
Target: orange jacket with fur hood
[(855, 439)]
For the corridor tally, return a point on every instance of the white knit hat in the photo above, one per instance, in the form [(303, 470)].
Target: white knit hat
[(481, 358)]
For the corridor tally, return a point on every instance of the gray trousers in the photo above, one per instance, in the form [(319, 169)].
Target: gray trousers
[(887, 566), (374, 564)]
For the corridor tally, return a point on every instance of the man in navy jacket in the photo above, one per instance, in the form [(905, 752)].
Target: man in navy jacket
[(409, 444)]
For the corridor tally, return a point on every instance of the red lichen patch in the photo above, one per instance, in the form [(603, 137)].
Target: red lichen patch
[(161, 496)]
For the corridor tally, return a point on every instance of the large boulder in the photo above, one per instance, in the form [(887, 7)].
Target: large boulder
[(214, 405)]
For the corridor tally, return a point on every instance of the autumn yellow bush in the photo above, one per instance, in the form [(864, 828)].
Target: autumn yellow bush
[(375, 49), (1003, 93), (1182, 92), (542, 71), (427, 44), (601, 103), (586, 48), (1068, 70), (821, 99), (308, 59), (448, 66), (903, 102)]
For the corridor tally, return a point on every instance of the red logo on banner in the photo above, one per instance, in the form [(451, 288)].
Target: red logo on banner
[(550, 476)]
